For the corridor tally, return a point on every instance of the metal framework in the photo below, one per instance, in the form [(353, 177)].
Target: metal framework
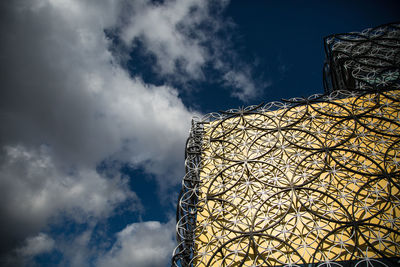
[(304, 182), (367, 60), (188, 197)]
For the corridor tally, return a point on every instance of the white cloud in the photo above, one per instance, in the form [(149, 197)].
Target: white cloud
[(36, 191), (239, 80), (33, 186), (77, 250), (182, 34), (64, 89), (153, 250), (35, 245), (244, 88), (162, 28), (65, 106)]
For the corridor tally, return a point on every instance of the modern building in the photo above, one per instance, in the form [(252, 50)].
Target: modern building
[(304, 182), (364, 61)]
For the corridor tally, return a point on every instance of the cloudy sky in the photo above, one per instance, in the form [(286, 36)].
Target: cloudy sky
[(96, 100)]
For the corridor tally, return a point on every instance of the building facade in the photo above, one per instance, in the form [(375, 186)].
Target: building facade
[(304, 182), (363, 61)]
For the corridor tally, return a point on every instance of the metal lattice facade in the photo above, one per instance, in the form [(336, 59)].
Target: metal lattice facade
[(306, 182), (363, 61)]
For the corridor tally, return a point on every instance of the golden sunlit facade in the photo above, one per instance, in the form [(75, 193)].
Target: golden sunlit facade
[(305, 182), (310, 183)]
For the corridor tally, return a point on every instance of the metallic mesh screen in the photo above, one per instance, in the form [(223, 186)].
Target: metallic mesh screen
[(313, 181), (367, 60), (308, 182)]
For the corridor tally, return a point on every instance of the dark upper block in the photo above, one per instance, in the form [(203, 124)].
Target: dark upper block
[(363, 61)]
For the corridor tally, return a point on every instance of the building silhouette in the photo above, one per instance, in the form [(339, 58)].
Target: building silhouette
[(303, 182)]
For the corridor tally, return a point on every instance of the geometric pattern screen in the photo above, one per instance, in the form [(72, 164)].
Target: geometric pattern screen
[(363, 61), (305, 182)]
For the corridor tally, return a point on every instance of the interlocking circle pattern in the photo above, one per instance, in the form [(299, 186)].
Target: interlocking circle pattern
[(367, 60), (315, 181), (305, 182)]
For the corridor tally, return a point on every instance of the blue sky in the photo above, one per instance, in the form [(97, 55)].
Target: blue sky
[(96, 101)]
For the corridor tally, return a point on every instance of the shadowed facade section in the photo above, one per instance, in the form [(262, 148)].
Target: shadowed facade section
[(306, 181)]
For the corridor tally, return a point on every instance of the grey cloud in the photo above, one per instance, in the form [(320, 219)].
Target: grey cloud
[(35, 245), (158, 26), (246, 88), (241, 81), (183, 35), (153, 250), (33, 191), (66, 105)]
